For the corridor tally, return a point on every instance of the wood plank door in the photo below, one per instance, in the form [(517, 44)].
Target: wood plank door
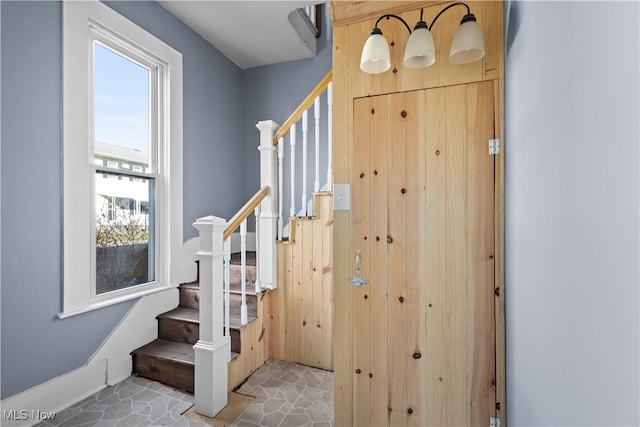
[(423, 331)]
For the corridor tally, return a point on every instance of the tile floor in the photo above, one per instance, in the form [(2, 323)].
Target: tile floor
[(286, 394)]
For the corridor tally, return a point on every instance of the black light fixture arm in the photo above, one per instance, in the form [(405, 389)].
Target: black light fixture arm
[(389, 15), (447, 8)]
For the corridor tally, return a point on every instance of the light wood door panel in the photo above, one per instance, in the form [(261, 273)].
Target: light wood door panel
[(423, 348)]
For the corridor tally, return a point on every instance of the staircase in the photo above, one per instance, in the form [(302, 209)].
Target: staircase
[(170, 358)]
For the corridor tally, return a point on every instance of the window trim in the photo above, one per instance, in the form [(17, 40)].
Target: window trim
[(80, 20)]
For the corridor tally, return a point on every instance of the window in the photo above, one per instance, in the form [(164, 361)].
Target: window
[(122, 159)]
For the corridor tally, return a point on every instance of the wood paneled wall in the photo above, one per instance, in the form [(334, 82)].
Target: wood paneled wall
[(353, 22), (301, 315)]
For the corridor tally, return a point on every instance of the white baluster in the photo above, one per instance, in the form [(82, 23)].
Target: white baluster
[(257, 284), (280, 186), (292, 143), (227, 296), (330, 137), (305, 140), (316, 116), (243, 269)]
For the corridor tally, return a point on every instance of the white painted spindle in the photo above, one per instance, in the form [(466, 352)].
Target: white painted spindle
[(330, 137), (316, 116), (227, 296), (305, 141), (292, 143), (280, 186), (243, 269), (257, 284)]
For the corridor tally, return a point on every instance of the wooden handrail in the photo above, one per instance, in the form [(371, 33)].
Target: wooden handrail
[(245, 211), (304, 106)]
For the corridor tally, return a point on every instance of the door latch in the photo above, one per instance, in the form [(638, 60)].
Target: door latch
[(357, 280)]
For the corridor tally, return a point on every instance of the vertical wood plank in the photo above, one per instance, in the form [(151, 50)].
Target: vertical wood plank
[(318, 345), (480, 259), (297, 273), (415, 258), (396, 276), (435, 258), (377, 288), (327, 280), (290, 323), (455, 359), (307, 284), (360, 239), (499, 285)]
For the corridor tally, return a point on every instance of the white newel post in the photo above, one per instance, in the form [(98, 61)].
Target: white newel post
[(212, 349), (268, 220)]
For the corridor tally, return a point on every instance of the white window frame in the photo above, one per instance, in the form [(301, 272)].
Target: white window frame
[(80, 21)]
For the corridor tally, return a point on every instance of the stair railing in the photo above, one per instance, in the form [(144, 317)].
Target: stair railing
[(213, 349), (289, 129), (239, 220)]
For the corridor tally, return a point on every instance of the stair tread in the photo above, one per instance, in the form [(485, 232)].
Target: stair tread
[(181, 313), (193, 316), (168, 350), (236, 259), (235, 323), (234, 288)]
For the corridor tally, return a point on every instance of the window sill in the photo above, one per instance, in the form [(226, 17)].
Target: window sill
[(113, 301)]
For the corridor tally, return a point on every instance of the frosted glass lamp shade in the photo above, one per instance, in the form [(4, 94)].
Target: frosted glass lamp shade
[(467, 45), (420, 51), (375, 54)]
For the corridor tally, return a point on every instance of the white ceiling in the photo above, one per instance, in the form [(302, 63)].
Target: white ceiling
[(250, 33)]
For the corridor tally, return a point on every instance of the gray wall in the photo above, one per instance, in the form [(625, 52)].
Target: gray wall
[(36, 346), (572, 215), (273, 92)]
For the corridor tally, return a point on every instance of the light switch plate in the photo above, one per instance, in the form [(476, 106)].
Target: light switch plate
[(341, 197)]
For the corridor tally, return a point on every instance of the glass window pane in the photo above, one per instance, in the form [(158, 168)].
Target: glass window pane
[(121, 107), (124, 231)]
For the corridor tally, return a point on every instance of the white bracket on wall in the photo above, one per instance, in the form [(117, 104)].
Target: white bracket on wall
[(494, 422), (494, 147)]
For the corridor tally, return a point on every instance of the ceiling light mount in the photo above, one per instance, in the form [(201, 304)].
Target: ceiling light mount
[(467, 45)]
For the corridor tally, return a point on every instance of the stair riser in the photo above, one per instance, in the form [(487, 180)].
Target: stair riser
[(235, 303), (235, 276), (178, 375), (235, 341), (178, 330), (187, 332), (190, 297)]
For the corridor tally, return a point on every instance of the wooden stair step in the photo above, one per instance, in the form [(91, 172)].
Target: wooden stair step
[(235, 304), (180, 324), (190, 295), (168, 362), (236, 258)]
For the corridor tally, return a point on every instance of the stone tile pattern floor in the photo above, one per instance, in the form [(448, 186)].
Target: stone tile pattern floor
[(288, 394), (132, 402)]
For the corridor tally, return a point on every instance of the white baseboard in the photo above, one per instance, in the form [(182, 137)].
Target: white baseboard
[(54, 395), (110, 364)]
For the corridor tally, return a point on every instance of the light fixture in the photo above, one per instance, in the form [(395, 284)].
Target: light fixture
[(467, 45)]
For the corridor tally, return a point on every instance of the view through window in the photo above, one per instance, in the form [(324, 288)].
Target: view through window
[(124, 182)]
